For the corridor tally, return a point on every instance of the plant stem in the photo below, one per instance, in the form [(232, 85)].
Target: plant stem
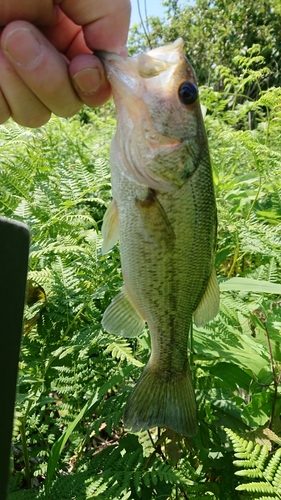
[(191, 345), (182, 492), (235, 257), (25, 454), (275, 380), (184, 495), (254, 200), (143, 25), (150, 437)]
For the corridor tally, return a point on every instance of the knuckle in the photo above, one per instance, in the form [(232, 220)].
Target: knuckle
[(4, 115), (71, 110), (34, 120)]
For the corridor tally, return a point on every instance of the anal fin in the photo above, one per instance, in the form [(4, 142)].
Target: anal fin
[(121, 317), (209, 304)]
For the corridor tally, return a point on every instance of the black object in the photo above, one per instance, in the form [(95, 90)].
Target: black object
[(14, 246), (188, 93)]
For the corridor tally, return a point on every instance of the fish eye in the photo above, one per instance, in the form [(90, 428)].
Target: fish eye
[(188, 93)]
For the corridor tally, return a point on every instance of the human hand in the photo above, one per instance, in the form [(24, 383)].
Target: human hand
[(46, 60)]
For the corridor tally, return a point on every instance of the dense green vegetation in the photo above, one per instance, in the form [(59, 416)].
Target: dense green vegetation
[(215, 31), (74, 378)]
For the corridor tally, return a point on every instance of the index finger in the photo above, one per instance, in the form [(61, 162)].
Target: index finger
[(105, 22)]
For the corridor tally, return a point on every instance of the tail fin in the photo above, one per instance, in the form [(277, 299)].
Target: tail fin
[(164, 401)]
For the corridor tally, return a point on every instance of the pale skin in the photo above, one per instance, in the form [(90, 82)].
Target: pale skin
[(46, 55)]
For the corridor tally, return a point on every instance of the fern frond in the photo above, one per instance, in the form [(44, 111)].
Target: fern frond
[(121, 349), (257, 464), (258, 487), (24, 495), (112, 412), (273, 470)]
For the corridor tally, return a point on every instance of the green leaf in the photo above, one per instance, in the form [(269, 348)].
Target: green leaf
[(121, 349), (250, 285), (256, 464), (241, 350), (231, 375), (258, 411), (257, 487), (265, 376), (59, 445)]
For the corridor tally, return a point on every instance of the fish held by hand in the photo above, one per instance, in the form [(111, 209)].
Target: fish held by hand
[(164, 214)]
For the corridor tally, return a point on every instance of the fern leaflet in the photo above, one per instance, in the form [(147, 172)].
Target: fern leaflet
[(258, 465)]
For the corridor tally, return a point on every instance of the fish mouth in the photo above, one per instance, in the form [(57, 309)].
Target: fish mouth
[(161, 57), (159, 63)]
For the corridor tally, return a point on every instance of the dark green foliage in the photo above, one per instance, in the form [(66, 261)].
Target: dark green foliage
[(217, 31)]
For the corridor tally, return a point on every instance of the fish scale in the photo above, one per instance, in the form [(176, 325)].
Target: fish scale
[(164, 214)]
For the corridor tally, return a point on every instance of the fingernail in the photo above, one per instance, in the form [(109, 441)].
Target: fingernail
[(123, 51), (88, 80), (22, 46)]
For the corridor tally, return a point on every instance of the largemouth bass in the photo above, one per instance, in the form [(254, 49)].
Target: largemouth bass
[(164, 214)]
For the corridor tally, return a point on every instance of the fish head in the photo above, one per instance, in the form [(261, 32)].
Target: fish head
[(159, 120)]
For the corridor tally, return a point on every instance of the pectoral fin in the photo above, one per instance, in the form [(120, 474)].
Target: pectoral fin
[(110, 227), (121, 317), (155, 220), (209, 304)]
